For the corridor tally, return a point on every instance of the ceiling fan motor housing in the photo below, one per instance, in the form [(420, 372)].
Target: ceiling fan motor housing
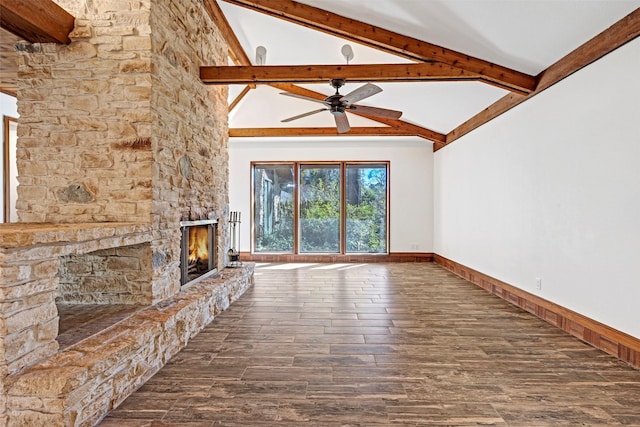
[(336, 106)]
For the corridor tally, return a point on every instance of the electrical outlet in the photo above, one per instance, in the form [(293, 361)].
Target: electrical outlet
[(538, 283)]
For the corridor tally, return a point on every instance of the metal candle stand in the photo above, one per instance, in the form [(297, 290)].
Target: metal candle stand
[(234, 232)]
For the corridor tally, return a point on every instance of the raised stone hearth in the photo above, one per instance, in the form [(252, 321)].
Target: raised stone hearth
[(80, 384)]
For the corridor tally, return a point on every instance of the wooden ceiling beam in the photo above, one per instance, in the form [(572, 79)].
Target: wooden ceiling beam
[(389, 41), (409, 128), (289, 87), (241, 95), (37, 21), (235, 49), (424, 71), (620, 33), (315, 131)]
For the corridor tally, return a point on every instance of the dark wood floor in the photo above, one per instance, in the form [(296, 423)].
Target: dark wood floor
[(376, 345)]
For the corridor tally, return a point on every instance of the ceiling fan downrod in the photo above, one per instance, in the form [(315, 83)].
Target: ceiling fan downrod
[(337, 84)]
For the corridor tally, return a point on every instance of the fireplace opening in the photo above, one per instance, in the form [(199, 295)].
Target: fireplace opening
[(198, 246)]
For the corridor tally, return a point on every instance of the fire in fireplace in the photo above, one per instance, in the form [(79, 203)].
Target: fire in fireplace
[(198, 249)]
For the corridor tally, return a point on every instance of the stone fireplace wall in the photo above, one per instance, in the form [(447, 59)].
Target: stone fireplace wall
[(117, 126)]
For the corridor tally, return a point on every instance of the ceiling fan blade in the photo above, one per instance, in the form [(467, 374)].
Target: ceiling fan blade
[(360, 93), (342, 123), (306, 98), (375, 111), (299, 116)]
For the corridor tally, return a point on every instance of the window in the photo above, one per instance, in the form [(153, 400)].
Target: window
[(366, 202), (319, 208), (273, 195), (332, 207)]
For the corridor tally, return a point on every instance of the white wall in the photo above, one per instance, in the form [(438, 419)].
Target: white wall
[(8, 107), (551, 190), (410, 178)]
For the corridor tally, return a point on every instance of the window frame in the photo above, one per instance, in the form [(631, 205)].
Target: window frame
[(253, 206), (340, 167), (296, 167)]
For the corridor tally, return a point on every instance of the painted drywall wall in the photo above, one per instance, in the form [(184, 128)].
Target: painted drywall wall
[(8, 107), (551, 190), (410, 179)]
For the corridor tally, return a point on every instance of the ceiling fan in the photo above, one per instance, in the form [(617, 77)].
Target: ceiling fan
[(337, 104)]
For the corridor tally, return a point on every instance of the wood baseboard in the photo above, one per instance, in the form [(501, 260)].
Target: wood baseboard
[(392, 257), (619, 344)]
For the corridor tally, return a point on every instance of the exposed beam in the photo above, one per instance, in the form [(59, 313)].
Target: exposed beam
[(241, 95), (37, 21), (502, 105), (235, 49), (313, 131), (411, 129), (424, 71), (623, 31), (389, 41), (288, 87)]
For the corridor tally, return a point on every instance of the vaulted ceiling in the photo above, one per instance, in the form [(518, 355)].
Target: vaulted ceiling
[(448, 65)]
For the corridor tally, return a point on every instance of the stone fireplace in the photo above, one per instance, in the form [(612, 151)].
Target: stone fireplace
[(118, 142), (198, 249)]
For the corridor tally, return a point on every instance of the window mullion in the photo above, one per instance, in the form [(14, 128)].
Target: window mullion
[(343, 208), (296, 208)]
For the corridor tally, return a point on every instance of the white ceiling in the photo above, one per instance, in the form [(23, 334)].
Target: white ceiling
[(526, 35)]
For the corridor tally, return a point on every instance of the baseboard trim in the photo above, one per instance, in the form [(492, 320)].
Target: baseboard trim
[(619, 344), (368, 258)]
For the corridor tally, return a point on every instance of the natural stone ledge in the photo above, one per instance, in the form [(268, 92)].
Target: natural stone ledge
[(21, 235), (78, 386)]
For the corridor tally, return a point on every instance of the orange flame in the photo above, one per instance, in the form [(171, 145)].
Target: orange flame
[(198, 244)]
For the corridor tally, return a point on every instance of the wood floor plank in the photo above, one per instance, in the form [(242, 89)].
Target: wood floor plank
[(381, 345)]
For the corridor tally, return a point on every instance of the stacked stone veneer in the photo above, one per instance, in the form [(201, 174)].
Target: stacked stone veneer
[(110, 276), (114, 127)]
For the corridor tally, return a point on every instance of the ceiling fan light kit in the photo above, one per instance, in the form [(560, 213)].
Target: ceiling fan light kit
[(261, 55), (338, 104), (347, 52)]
